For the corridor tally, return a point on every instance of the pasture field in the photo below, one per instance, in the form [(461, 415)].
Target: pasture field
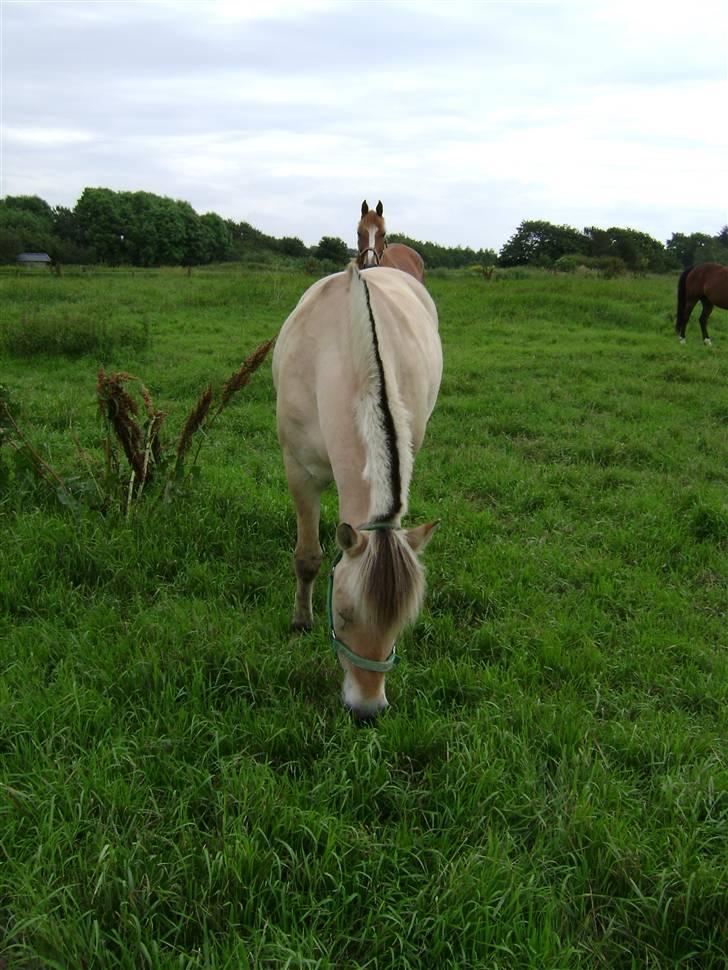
[(179, 786)]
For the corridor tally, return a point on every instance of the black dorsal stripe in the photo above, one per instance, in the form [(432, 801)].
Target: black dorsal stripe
[(389, 429)]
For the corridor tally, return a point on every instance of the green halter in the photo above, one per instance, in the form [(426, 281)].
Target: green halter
[(378, 666)]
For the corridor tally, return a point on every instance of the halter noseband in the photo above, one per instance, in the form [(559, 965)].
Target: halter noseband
[(369, 249), (378, 666)]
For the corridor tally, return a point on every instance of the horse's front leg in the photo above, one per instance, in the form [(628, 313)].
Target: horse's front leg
[(306, 493)]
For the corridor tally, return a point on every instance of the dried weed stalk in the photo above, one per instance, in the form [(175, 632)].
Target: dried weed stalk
[(121, 412)]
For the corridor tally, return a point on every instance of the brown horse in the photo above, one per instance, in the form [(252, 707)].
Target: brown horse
[(374, 250), (707, 282)]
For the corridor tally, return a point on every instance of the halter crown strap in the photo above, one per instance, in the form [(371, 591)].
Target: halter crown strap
[(378, 666)]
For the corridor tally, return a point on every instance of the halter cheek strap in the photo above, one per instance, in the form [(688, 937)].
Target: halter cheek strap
[(378, 666)]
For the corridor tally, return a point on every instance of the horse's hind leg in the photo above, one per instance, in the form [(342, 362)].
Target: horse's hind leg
[(306, 493), (707, 310), (682, 324)]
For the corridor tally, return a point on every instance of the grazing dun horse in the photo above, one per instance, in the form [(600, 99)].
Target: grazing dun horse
[(374, 250), (357, 368), (707, 282)]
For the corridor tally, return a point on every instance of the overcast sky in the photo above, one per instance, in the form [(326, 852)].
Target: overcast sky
[(464, 117)]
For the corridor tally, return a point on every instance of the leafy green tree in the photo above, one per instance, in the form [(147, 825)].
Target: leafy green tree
[(30, 203), (24, 230), (637, 250), (332, 249), (101, 222), (292, 246), (198, 244), (699, 247), (11, 244), (219, 237), (65, 225), (451, 257), (537, 242)]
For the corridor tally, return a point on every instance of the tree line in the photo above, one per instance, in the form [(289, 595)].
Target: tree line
[(539, 243), (144, 229)]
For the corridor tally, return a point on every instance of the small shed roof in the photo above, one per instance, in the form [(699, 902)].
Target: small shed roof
[(34, 258)]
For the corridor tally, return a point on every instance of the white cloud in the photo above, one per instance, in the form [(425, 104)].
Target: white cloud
[(41, 137)]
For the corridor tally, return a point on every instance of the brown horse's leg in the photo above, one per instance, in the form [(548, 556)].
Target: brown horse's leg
[(306, 493), (682, 324), (707, 310)]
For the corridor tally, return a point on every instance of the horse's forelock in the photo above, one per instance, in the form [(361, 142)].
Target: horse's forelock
[(392, 581), (371, 219)]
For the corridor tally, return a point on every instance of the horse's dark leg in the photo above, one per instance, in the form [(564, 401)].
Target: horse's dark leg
[(707, 310), (683, 321)]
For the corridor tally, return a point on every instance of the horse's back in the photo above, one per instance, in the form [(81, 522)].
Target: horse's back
[(709, 280), (404, 258), (405, 318), (316, 366), (322, 312)]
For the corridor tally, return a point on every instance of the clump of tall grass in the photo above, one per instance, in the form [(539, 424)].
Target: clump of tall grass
[(60, 331), (26, 461)]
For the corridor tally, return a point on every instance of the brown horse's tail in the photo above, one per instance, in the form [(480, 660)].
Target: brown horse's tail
[(681, 285)]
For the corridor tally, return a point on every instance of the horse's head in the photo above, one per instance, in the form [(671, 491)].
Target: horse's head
[(376, 588), (371, 236)]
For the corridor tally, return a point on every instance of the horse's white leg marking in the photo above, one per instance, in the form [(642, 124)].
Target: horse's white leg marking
[(708, 342), (682, 340)]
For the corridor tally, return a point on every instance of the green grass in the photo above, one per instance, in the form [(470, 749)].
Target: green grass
[(179, 787)]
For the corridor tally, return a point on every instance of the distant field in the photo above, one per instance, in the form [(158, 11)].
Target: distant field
[(179, 786)]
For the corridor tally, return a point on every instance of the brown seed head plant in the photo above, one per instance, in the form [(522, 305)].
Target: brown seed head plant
[(121, 412)]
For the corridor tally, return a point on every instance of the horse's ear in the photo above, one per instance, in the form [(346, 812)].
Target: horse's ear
[(380, 208), (419, 537), (364, 208), (350, 541)]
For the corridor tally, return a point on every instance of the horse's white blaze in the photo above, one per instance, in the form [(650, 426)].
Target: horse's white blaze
[(370, 259)]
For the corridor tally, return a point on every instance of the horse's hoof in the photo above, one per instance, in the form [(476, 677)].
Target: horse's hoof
[(682, 340), (302, 626), (708, 342)]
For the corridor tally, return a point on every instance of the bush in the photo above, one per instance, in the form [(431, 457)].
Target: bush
[(606, 266), (571, 262), (609, 266)]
